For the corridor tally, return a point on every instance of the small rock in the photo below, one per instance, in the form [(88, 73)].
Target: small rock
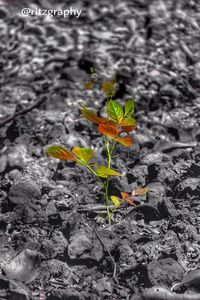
[(158, 10), (144, 211), (19, 291), (3, 163), (51, 210), (56, 268), (24, 192), (65, 294), (179, 59), (171, 92), (84, 245), (103, 285), (189, 188), (23, 267), (156, 190), (18, 156), (165, 272), (167, 208), (59, 243), (156, 158)]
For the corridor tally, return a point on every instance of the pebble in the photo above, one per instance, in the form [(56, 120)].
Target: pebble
[(51, 210), (23, 266), (165, 272), (24, 192)]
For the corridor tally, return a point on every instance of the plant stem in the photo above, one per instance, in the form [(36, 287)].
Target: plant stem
[(107, 201), (109, 154), (93, 172), (106, 189)]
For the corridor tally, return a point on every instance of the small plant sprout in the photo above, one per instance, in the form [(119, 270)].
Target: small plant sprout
[(115, 128)]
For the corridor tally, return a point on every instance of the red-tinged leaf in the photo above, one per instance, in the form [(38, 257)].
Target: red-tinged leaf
[(128, 124), (116, 201), (126, 198), (90, 115), (105, 172), (141, 191), (109, 130), (60, 153), (114, 111), (84, 154), (124, 195), (125, 141), (128, 129), (129, 201)]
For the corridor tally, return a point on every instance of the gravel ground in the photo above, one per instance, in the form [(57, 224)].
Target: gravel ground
[(55, 243)]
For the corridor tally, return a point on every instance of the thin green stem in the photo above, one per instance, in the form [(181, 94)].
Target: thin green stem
[(93, 172), (107, 201), (112, 148), (109, 155)]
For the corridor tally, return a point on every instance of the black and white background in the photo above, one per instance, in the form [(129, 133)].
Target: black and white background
[(55, 243)]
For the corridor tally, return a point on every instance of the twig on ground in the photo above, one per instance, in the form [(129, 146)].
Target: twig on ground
[(105, 247), (24, 111), (108, 251), (163, 294)]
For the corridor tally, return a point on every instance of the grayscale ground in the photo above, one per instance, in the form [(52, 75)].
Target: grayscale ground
[(55, 243)]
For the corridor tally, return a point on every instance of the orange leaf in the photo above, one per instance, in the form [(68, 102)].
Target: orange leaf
[(130, 201), (126, 141), (60, 153), (109, 129), (128, 124), (90, 115), (127, 128), (124, 195), (126, 198)]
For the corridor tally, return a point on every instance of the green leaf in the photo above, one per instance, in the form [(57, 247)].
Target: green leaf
[(84, 154), (129, 108), (106, 172), (59, 152), (115, 201), (114, 111)]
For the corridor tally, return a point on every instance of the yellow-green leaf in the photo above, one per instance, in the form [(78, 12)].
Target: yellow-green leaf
[(84, 154), (60, 153), (108, 87), (114, 111), (106, 172), (89, 85), (129, 108), (128, 124), (115, 201)]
